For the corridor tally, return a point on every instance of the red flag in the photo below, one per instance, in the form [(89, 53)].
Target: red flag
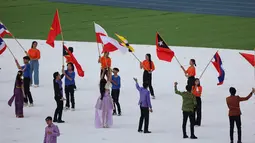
[(75, 62), (249, 58), (163, 51), (111, 45), (55, 29), (99, 31)]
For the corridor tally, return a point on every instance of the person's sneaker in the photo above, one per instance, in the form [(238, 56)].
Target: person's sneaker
[(140, 131), (119, 114), (25, 104), (193, 137), (231, 142), (67, 108), (31, 105), (55, 121), (35, 86), (61, 121), (153, 97), (147, 132), (239, 141), (185, 136), (114, 113), (73, 109)]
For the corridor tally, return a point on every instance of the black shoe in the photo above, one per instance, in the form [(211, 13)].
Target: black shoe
[(140, 131), (193, 137), (119, 114), (147, 132), (114, 113), (231, 142), (61, 121), (239, 141), (55, 121), (185, 136)]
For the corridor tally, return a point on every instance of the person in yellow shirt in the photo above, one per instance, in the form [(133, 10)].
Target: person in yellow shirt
[(148, 67), (34, 55)]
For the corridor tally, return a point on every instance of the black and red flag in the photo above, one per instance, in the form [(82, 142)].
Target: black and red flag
[(163, 51)]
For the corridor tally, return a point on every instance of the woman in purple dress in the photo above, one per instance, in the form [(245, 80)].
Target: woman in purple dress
[(104, 105), (18, 96)]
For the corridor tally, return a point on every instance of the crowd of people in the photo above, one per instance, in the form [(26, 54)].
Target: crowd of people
[(108, 104)]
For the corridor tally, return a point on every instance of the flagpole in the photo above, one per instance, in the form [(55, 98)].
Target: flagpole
[(15, 39), (207, 66), (11, 52), (62, 36)]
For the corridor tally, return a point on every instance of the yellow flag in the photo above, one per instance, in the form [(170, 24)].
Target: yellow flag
[(124, 42)]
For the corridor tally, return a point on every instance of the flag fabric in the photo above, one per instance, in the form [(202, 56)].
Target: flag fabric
[(55, 30), (3, 46), (164, 53), (99, 32), (249, 58), (111, 45), (4, 31), (74, 61), (124, 42), (218, 65)]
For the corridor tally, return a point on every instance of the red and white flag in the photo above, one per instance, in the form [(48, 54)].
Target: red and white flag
[(99, 31), (3, 46), (111, 45)]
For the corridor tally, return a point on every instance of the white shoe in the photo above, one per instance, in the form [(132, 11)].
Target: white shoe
[(25, 104), (31, 105), (67, 108), (35, 86), (153, 97), (73, 109)]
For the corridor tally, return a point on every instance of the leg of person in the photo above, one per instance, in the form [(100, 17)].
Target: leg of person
[(150, 85), (67, 97), (31, 71), (114, 97), (36, 73), (231, 132), (55, 119), (191, 81), (184, 123), (117, 101), (192, 124), (198, 111), (141, 120), (146, 116), (71, 90), (26, 89), (60, 111), (29, 95), (239, 128)]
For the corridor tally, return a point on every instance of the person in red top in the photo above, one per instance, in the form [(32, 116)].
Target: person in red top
[(197, 91), (233, 103), (34, 55), (106, 63), (190, 73), (148, 67)]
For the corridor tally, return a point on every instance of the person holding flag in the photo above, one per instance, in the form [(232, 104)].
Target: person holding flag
[(69, 85), (148, 67), (190, 73), (69, 59), (105, 64)]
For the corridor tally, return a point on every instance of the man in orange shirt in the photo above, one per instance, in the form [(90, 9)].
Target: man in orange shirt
[(233, 103), (34, 55), (105, 64)]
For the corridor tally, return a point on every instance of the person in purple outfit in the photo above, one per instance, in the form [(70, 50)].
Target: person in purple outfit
[(18, 96), (145, 106), (51, 131), (104, 106)]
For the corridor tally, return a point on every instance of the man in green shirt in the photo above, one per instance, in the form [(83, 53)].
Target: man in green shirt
[(188, 106)]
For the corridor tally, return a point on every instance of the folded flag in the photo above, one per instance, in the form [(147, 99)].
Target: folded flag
[(4, 31), (249, 58), (3, 46), (74, 61), (99, 32), (111, 45), (124, 42), (163, 51), (55, 30), (218, 65)]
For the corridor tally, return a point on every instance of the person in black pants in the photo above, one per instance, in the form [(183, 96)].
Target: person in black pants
[(197, 91), (58, 90), (26, 80), (116, 83), (148, 67), (69, 85)]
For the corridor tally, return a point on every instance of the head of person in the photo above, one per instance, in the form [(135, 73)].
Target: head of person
[(70, 67), (145, 85), (48, 120), (115, 71), (197, 82), (26, 59), (102, 87), (148, 57), (70, 49), (106, 54), (192, 62), (232, 91), (19, 75), (56, 76), (34, 45), (188, 88)]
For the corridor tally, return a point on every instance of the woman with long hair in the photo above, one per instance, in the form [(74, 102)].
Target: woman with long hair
[(34, 55), (148, 67), (106, 63), (18, 96), (197, 91), (104, 106), (190, 73), (69, 86)]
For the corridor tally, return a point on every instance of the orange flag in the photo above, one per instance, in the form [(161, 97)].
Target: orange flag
[(55, 29)]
